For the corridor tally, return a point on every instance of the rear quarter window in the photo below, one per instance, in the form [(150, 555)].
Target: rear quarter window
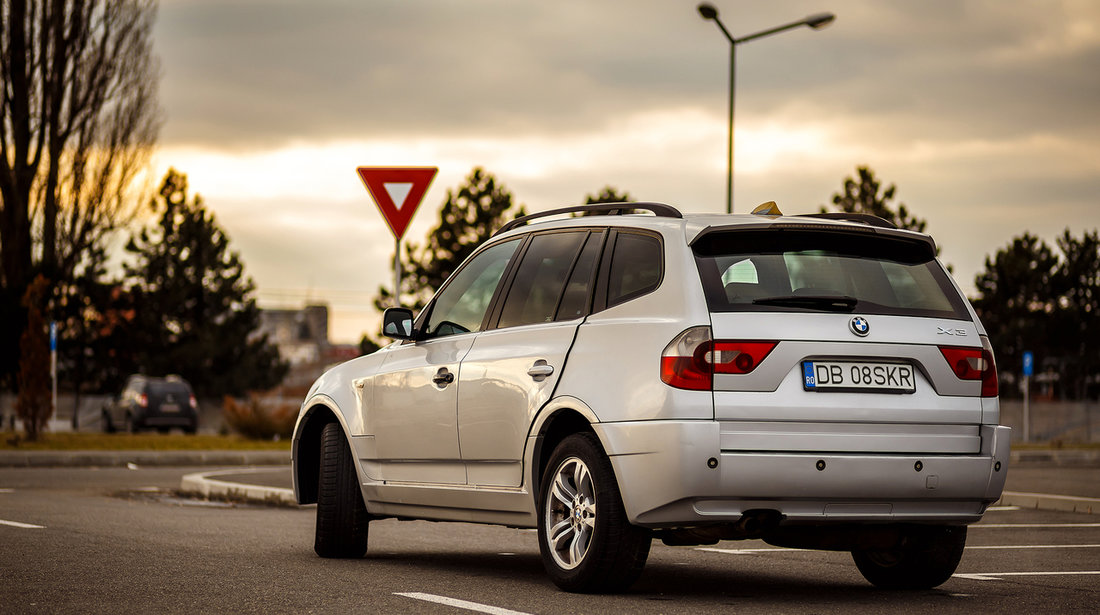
[(635, 267)]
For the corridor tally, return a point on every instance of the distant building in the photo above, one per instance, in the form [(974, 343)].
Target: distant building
[(301, 335), (302, 339)]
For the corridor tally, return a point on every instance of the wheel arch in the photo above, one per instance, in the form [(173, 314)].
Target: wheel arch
[(306, 451), (561, 418)]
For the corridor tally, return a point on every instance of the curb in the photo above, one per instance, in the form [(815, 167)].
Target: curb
[(1057, 456), (72, 459), (207, 485), (1045, 501)]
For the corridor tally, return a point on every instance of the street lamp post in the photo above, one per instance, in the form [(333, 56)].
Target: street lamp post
[(708, 11)]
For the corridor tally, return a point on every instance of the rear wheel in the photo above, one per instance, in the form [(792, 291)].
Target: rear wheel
[(587, 544), (925, 558), (341, 516)]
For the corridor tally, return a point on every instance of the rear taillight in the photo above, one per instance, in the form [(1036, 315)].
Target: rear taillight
[(974, 364), (692, 358), (194, 402), (143, 400), (683, 364)]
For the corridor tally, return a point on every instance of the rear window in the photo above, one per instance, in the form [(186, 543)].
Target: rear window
[(803, 270)]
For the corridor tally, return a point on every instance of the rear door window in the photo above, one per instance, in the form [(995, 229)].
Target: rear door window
[(541, 278), (802, 270)]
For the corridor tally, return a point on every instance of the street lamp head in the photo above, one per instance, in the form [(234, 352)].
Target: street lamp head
[(708, 10), (816, 21)]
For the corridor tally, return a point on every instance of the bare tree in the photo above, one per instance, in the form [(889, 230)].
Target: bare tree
[(79, 118)]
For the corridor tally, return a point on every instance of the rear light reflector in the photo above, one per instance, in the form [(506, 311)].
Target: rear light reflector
[(974, 364), (738, 357), (692, 358)]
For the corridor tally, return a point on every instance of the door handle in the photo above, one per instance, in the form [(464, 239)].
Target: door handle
[(540, 370), (443, 377)]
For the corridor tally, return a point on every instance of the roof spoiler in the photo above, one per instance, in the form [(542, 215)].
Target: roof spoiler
[(853, 217)]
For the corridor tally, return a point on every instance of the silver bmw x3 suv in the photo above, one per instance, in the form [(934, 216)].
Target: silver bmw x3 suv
[(812, 381)]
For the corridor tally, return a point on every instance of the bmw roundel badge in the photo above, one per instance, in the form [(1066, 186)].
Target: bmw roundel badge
[(859, 326)]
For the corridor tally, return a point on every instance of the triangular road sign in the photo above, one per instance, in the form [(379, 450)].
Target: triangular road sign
[(397, 191)]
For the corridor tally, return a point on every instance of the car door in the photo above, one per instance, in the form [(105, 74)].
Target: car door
[(413, 405), (512, 368)]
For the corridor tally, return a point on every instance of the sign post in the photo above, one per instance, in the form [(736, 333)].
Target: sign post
[(397, 191), (1029, 368), (53, 372)]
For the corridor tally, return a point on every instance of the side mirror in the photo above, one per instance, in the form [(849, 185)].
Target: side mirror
[(397, 323)]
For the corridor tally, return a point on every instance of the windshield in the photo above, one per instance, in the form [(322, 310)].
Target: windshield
[(824, 271)]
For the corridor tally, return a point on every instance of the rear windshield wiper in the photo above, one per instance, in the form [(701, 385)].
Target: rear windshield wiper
[(829, 303)]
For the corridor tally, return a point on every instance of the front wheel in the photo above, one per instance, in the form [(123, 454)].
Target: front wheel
[(341, 516), (586, 542), (926, 557)]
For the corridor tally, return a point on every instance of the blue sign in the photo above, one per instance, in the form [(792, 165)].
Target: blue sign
[(53, 336), (1029, 363)]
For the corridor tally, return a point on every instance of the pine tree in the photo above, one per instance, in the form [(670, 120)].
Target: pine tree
[(193, 310), (863, 197)]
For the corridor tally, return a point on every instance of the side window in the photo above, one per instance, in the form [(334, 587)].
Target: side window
[(540, 279), (574, 303), (460, 307), (635, 267)]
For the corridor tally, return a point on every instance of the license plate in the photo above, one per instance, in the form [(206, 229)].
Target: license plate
[(858, 376), (169, 408)]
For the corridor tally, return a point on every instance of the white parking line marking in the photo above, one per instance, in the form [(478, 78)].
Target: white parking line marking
[(996, 576), (7, 490), (744, 551), (1032, 525), (26, 526), (1001, 508), (1037, 547), (460, 604)]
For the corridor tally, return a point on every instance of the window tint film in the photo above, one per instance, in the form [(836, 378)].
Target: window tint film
[(540, 279), (635, 267), (574, 303), (460, 307), (830, 271)]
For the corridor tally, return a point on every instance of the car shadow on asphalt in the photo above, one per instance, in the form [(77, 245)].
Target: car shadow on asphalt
[(662, 581)]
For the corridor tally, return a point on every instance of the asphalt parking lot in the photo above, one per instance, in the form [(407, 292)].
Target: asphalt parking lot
[(118, 540)]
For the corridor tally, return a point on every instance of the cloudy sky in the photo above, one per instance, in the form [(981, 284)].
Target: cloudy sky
[(985, 113)]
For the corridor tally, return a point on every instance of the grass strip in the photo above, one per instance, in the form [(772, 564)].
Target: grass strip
[(15, 441)]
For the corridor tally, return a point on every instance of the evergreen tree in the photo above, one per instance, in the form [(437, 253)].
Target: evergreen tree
[(1034, 298), (193, 313), (863, 197), (608, 195), (467, 219)]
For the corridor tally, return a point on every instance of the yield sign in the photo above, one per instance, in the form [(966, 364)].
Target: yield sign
[(397, 191)]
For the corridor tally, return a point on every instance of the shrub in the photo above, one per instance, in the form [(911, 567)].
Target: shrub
[(264, 416)]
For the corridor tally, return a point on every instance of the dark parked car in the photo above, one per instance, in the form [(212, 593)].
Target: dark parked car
[(153, 403)]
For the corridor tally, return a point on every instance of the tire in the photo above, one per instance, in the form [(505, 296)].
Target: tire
[(587, 544), (341, 515), (131, 424), (108, 425), (926, 558)]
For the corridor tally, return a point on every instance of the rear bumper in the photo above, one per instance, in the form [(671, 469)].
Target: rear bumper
[(664, 476), (168, 420)]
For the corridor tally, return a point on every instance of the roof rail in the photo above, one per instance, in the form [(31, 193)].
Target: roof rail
[(612, 209), (867, 219)]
